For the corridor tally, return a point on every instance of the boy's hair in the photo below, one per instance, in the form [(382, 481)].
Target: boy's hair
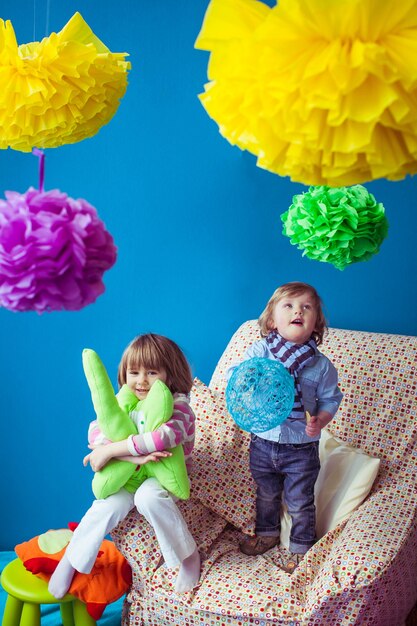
[(155, 352), (290, 290)]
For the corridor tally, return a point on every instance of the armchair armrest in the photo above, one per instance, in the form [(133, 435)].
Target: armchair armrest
[(372, 564)]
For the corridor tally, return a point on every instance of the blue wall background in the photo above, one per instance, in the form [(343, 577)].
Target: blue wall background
[(200, 251)]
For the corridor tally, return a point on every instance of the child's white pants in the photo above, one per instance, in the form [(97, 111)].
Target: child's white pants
[(154, 502)]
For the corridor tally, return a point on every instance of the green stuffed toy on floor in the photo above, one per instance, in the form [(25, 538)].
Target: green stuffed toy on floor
[(113, 419)]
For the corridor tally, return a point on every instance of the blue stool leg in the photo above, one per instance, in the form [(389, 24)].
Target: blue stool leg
[(31, 615), (67, 614), (12, 612), (81, 616)]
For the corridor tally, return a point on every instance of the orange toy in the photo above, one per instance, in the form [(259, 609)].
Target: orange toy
[(109, 579)]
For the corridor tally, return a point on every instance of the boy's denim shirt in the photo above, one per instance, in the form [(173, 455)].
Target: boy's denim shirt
[(319, 386)]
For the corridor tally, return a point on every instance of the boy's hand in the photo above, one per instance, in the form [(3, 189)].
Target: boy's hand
[(314, 426)]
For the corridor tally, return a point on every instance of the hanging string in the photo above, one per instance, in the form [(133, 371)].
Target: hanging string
[(48, 7), (34, 20), (47, 14), (41, 155), (35, 151)]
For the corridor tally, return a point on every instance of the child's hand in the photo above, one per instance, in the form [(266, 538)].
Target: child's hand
[(314, 426), (153, 456), (97, 458), (101, 455)]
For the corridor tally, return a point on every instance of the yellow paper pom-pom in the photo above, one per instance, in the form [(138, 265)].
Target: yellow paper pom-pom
[(323, 91), (57, 91)]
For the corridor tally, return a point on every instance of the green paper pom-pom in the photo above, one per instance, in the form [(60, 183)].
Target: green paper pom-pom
[(339, 225)]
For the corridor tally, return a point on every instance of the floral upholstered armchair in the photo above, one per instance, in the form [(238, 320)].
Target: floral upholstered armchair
[(363, 568)]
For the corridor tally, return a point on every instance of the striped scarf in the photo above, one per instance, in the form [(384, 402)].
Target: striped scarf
[(293, 357)]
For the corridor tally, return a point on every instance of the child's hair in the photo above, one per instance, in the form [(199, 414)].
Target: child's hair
[(156, 352), (290, 290)]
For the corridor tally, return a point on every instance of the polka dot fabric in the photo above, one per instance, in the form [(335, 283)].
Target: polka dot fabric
[(220, 477), (362, 572)]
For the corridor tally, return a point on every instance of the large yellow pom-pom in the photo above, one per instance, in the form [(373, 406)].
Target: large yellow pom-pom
[(323, 91), (57, 91)]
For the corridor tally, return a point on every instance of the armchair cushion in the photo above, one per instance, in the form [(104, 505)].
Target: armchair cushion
[(222, 481)]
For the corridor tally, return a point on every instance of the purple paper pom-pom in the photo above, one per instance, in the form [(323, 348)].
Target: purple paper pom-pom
[(53, 252)]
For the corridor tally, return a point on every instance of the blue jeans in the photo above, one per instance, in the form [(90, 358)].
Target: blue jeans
[(291, 469)]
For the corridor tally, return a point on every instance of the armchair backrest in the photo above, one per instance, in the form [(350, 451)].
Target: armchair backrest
[(378, 377)]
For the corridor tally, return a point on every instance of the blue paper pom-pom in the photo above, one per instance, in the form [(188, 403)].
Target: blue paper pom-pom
[(260, 394)]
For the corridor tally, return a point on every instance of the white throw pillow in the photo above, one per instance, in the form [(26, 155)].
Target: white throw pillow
[(346, 477)]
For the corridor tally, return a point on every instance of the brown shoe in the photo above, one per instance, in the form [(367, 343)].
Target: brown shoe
[(258, 545)]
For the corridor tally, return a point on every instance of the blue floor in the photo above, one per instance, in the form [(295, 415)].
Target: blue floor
[(50, 614)]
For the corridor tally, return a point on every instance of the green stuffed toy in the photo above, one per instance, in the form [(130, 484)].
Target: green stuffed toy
[(115, 423)]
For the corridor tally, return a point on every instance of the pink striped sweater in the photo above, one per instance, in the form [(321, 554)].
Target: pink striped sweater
[(180, 429)]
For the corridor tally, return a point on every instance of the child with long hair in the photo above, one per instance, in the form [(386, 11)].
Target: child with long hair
[(285, 459), (147, 358)]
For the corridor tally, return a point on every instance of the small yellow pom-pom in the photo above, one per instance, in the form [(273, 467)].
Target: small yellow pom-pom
[(60, 90)]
